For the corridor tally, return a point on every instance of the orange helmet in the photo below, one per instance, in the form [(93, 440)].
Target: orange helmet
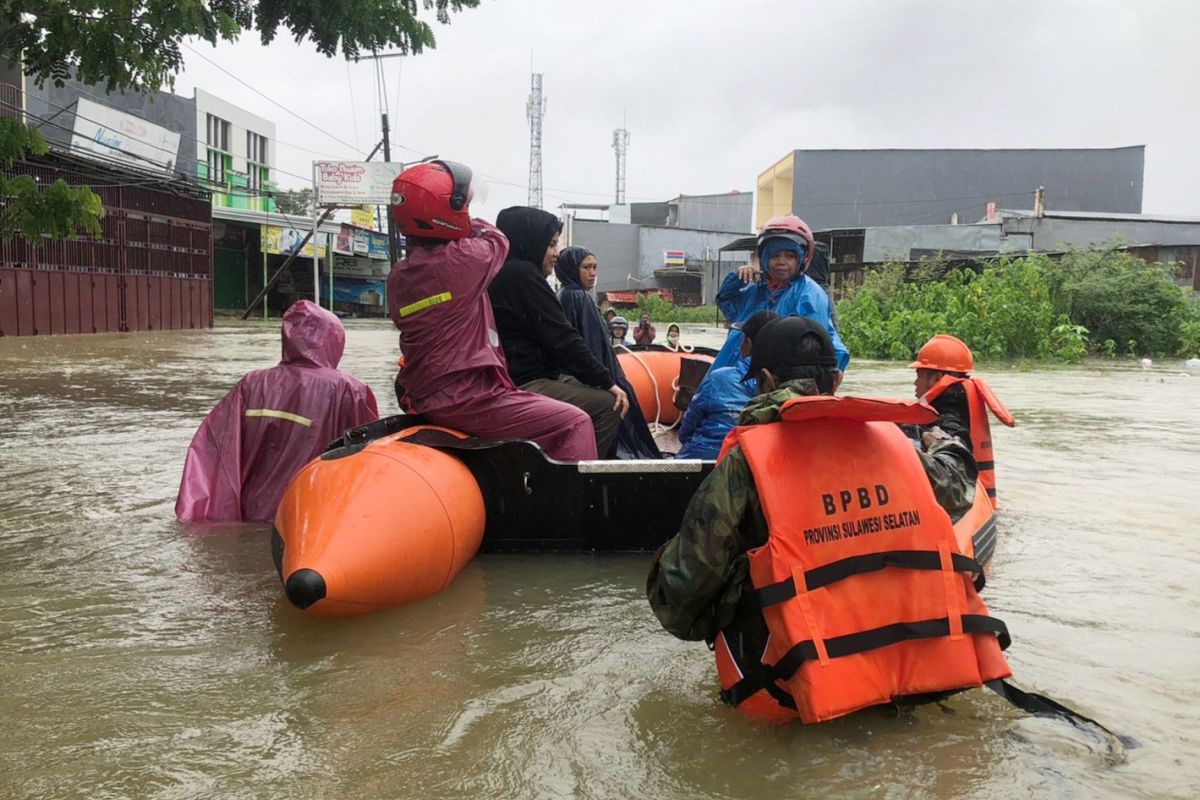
[(944, 353)]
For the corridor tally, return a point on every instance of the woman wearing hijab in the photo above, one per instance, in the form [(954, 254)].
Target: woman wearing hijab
[(544, 352), (576, 271)]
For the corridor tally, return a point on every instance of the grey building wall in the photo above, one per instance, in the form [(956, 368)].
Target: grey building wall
[(897, 243), (168, 110), (616, 249), (700, 246), (714, 212), (864, 188), (628, 255), (10, 73), (1058, 234), (649, 213), (1021, 234)]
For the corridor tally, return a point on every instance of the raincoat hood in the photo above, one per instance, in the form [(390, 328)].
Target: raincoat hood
[(312, 336), (529, 231), (566, 269), (773, 246)]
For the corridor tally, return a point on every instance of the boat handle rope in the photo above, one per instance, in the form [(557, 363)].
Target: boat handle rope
[(657, 426)]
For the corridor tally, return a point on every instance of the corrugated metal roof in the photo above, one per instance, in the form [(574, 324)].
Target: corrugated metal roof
[(1099, 215), (247, 216)]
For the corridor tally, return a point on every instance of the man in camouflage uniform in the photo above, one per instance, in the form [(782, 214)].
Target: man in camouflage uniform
[(696, 585)]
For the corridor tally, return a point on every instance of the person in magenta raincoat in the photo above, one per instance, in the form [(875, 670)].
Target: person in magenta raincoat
[(272, 423), (454, 368)]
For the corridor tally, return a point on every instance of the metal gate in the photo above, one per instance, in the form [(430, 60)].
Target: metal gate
[(150, 269)]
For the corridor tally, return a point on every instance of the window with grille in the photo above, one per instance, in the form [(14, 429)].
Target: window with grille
[(256, 160), (218, 149)]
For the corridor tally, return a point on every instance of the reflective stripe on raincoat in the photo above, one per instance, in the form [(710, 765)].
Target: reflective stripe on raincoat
[(272, 423)]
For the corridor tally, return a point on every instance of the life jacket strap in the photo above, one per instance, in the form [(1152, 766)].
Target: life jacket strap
[(755, 680), (871, 562), (1042, 706), (875, 638)]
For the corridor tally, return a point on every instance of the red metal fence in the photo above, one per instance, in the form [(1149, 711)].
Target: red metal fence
[(150, 269)]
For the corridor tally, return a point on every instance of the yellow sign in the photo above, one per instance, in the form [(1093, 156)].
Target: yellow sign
[(284, 241), (363, 216)]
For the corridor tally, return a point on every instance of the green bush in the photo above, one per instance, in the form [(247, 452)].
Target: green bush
[(1117, 296), (661, 311), (1002, 311), (1031, 308), (1189, 332)]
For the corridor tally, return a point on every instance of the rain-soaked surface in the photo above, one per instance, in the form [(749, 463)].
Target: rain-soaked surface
[(139, 659)]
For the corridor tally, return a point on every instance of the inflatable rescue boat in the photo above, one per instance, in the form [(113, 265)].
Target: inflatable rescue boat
[(393, 510)]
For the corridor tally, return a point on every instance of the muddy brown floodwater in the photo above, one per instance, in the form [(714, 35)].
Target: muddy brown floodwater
[(139, 659)]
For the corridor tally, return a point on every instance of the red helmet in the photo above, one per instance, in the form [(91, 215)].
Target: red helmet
[(792, 228), (430, 200), (944, 353)]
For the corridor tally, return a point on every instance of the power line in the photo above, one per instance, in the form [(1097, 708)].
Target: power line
[(168, 181), (182, 136), (78, 87), (271, 100)]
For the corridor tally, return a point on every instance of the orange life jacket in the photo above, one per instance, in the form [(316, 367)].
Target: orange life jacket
[(980, 398), (865, 594)]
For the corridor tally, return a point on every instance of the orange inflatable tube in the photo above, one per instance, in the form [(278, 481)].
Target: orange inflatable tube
[(366, 529), (654, 376)]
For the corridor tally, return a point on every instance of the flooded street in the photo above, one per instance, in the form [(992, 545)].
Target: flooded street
[(141, 659)]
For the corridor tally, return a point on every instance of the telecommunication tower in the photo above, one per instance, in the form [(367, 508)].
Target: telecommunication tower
[(535, 109), (620, 145)]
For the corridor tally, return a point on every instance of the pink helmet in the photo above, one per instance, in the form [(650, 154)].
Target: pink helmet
[(792, 228)]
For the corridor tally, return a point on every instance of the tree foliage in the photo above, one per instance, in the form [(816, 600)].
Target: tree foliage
[(1100, 301), (58, 210), (295, 202), (135, 45), (1120, 297)]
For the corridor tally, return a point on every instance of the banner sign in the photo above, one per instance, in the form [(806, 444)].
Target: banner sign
[(362, 216), (356, 183), (358, 267), (363, 293), (377, 246), (121, 136), (284, 241)]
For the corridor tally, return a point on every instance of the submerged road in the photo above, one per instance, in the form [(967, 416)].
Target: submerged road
[(139, 659)]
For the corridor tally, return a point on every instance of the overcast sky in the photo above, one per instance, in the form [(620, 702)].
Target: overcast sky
[(715, 92)]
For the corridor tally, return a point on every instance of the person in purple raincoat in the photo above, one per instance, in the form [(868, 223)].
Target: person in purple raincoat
[(272, 423), (454, 368)]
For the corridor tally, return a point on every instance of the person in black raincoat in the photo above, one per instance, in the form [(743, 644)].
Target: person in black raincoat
[(545, 354), (574, 268)]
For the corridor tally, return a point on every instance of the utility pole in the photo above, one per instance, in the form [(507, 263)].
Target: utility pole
[(387, 157), (535, 109), (381, 88), (621, 146)]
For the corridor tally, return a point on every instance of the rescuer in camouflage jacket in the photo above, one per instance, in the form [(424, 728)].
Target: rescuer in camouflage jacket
[(695, 585)]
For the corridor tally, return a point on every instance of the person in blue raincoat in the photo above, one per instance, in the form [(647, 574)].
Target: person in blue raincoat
[(714, 410), (576, 271), (785, 249)]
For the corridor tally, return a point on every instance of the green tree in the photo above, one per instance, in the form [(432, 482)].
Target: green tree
[(1118, 296), (296, 202), (58, 210), (126, 44)]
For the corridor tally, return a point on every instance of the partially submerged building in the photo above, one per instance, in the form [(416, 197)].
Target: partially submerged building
[(1151, 237)]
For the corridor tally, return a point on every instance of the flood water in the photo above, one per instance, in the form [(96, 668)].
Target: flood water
[(140, 659)]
